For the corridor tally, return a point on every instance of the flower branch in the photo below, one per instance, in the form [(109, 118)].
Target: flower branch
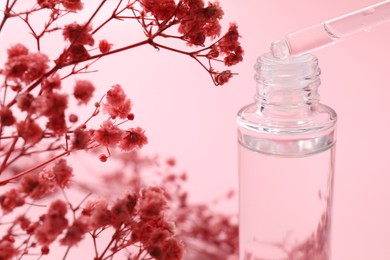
[(37, 127)]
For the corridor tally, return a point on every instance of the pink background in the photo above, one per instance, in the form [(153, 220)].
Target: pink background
[(185, 116)]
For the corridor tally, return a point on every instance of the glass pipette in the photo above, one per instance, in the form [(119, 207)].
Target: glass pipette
[(331, 31)]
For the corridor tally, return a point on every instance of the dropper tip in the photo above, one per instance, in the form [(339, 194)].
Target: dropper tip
[(279, 49)]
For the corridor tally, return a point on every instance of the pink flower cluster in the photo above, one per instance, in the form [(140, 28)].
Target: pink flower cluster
[(198, 22), (23, 66), (117, 105), (37, 186), (206, 234), (69, 5), (110, 135), (40, 126)]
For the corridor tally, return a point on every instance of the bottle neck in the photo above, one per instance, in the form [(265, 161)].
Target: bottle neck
[(290, 83)]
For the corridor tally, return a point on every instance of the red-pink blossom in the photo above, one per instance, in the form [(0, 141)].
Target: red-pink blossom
[(173, 249), (24, 101), (116, 94), (47, 177), (10, 200), (83, 91), (161, 9), (198, 22), (81, 139), (222, 77), (122, 210), (105, 46), (51, 83), (17, 50), (121, 110), (34, 186), (231, 47), (54, 222), (117, 105), (23, 222), (47, 3), (143, 230), (99, 213), (7, 250), (6, 116), (57, 124), (30, 131), (51, 104), (108, 134), (134, 138), (152, 203), (78, 34), (232, 59), (72, 5), (78, 52), (75, 232), (62, 173), (23, 66)]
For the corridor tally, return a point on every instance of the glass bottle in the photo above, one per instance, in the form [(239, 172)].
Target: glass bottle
[(286, 163)]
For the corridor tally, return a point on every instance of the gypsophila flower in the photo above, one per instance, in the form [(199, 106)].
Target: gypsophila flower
[(78, 53), (30, 131), (51, 83), (108, 134), (51, 104), (223, 77), (10, 200), (230, 46), (76, 232), (57, 124), (24, 102), (17, 50), (105, 46), (99, 213), (72, 5), (198, 22), (54, 222), (134, 138), (48, 3), (34, 186), (6, 116), (83, 91), (23, 66), (153, 202), (117, 105), (7, 250), (62, 173), (173, 249), (78, 34), (122, 210), (116, 94), (81, 139), (161, 9)]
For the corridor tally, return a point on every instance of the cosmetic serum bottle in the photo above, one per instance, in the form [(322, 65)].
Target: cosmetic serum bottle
[(286, 163)]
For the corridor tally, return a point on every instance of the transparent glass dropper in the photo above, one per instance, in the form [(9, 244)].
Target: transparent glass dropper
[(331, 31)]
